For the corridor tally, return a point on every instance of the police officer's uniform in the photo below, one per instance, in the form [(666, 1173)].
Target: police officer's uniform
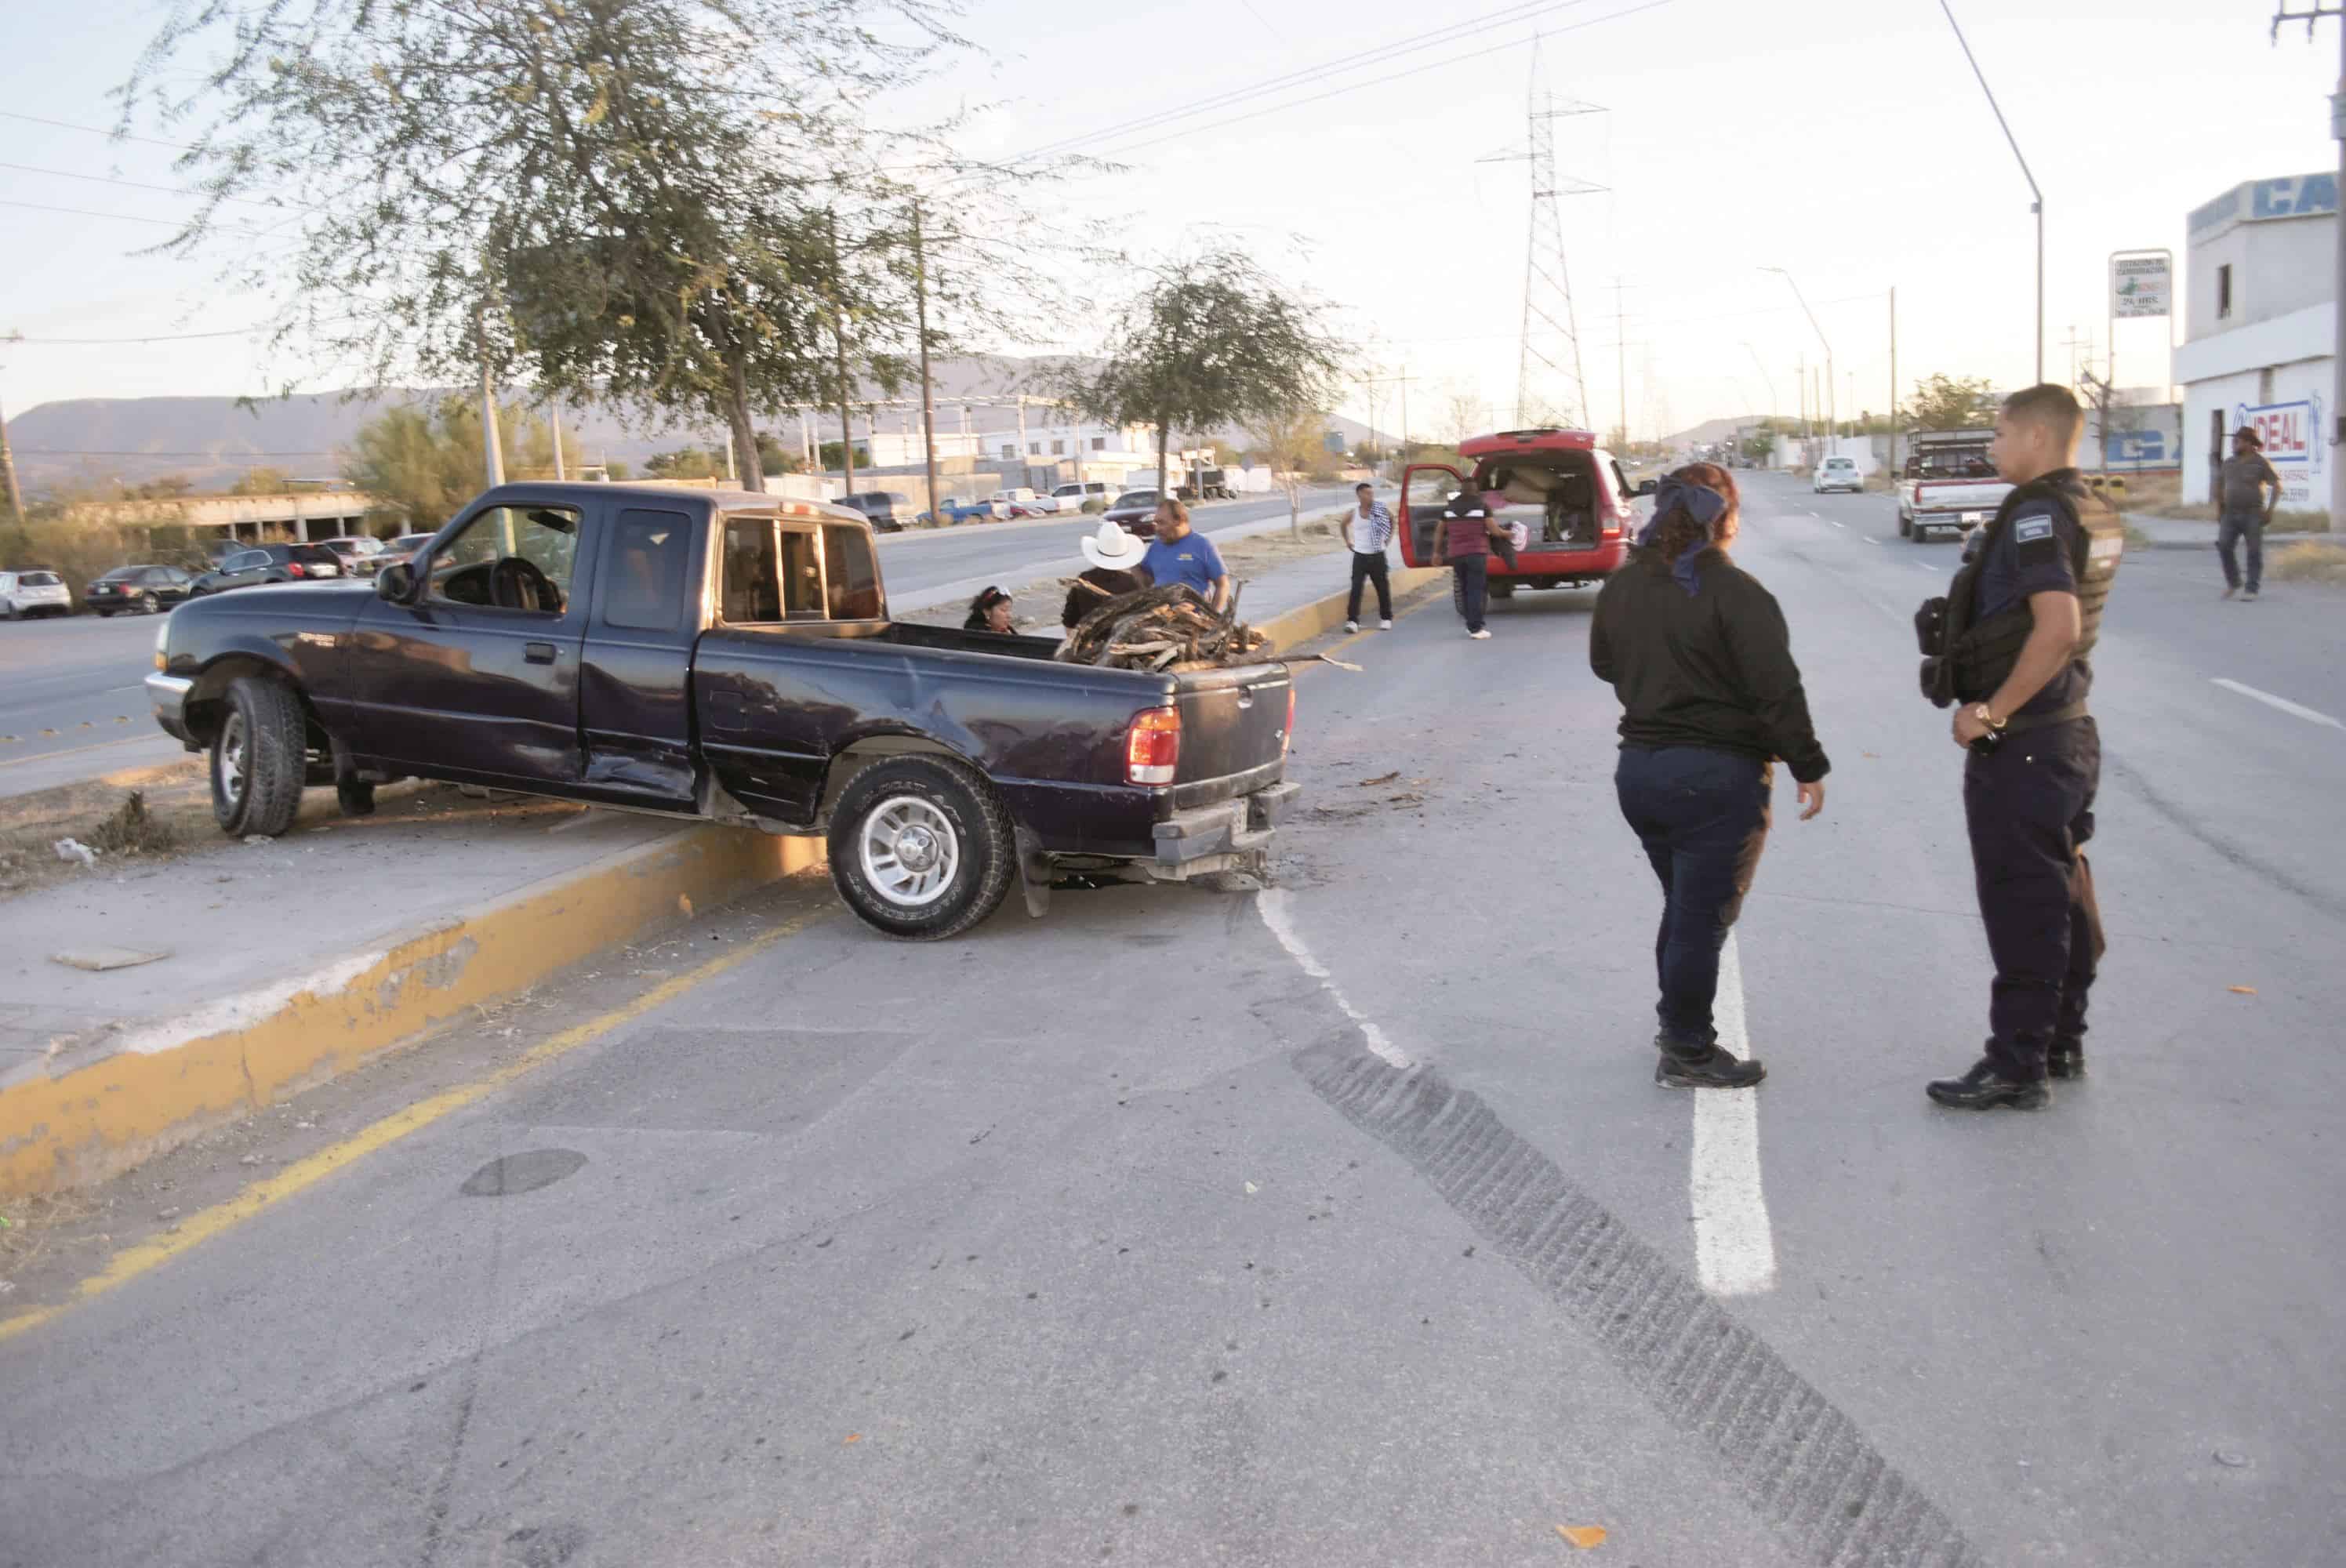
[(2029, 801)]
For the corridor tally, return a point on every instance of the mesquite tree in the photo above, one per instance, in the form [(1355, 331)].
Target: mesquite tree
[(1211, 342), (622, 199)]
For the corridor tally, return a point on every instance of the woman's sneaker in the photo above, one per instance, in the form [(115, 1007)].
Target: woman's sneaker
[(1715, 1068), (1480, 637)]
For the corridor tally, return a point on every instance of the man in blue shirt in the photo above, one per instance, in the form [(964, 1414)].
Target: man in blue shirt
[(1177, 555)]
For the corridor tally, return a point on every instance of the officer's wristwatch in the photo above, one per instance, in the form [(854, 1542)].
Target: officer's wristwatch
[(1988, 718)]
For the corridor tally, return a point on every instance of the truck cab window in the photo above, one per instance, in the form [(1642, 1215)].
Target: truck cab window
[(852, 579), (801, 575), (753, 584), (511, 557), (649, 552)]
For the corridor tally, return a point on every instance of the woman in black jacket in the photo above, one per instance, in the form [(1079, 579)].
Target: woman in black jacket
[(1698, 654)]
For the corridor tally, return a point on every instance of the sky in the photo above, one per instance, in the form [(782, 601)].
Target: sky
[(1845, 141)]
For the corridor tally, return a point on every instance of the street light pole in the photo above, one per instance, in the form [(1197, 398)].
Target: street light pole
[(2338, 346), (2036, 204), (1830, 433)]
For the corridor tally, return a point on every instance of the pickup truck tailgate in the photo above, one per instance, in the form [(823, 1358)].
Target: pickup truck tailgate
[(1233, 731)]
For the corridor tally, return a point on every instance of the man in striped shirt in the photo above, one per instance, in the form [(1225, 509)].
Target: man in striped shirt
[(1368, 528)]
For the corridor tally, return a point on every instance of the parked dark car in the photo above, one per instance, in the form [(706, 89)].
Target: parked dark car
[(144, 590), (1134, 512), (716, 653), (362, 554), (886, 510), (258, 564)]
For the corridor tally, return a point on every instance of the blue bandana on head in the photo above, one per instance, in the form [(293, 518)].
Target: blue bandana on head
[(1701, 501)]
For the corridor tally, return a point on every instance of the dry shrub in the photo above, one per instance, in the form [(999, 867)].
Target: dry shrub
[(132, 829), (2310, 563)]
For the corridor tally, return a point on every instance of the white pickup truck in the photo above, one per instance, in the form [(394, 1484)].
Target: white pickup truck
[(1949, 486)]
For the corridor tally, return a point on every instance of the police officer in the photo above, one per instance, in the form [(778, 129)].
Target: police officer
[(2009, 647)]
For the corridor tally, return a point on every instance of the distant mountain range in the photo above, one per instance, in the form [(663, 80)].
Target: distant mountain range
[(212, 442)]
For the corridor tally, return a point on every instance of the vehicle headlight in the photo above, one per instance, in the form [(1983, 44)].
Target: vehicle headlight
[(162, 639)]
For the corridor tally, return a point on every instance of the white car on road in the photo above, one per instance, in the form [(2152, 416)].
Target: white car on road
[(23, 594), (1837, 474)]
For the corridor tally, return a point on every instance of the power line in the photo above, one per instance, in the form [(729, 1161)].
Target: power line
[(136, 184), (223, 456), (1305, 76), (1510, 45), (128, 218), (12, 340), (110, 135)]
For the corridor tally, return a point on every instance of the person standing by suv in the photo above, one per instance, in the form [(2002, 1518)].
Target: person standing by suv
[(2246, 504), (1368, 529), (1463, 538), (1698, 654)]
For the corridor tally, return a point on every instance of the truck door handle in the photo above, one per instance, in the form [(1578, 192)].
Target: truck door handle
[(538, 653)]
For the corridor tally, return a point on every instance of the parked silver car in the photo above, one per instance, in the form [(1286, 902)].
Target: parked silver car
[(23, 594)]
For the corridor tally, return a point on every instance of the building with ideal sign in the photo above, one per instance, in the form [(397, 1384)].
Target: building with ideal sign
[(2260, 319)]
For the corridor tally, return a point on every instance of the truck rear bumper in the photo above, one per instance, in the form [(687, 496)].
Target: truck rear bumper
[(1226, 836)]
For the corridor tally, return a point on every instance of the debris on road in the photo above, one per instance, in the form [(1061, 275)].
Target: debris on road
[(72, 850), (2242, 989), (97, 960), (1167, 629), (1584, 1536)]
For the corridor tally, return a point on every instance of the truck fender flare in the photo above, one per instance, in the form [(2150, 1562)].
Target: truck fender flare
[(223, 669), (877, 744)]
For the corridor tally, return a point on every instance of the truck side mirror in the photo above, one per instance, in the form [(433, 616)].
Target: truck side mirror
[(1649, 486), (396, 583)]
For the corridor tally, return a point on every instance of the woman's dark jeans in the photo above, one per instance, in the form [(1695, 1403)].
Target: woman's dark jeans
[(1702, 816)]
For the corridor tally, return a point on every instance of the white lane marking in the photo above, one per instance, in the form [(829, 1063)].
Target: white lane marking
[(1873, 541), (1734, 1246), (1271, 904), (1837, 525), (2270, 700)]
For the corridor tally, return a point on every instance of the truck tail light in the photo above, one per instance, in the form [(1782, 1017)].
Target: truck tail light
[(1287, 735), (1152, 747)]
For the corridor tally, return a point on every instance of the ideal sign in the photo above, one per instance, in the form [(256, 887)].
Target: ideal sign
[(2291, 433), (2140, 285)]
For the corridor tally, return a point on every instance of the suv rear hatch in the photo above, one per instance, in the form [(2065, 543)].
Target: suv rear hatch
[(1233, 731)]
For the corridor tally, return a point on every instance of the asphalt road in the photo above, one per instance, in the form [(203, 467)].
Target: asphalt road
[(1345, 1223), (71, 706)]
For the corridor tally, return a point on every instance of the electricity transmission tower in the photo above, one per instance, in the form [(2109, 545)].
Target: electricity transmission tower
[(1551, 333)]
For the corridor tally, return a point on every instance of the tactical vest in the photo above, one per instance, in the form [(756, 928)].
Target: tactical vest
[(1966, 658)]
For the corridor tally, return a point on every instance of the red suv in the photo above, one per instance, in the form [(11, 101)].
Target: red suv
[(1570, 495)]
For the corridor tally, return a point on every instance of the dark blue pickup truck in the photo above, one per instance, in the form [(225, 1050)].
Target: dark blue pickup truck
[(721, 654)]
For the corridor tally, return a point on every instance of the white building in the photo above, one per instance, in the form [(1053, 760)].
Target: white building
[(2260, 320)]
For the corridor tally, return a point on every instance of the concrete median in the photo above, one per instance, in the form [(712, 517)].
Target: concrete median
[(77, 1106)]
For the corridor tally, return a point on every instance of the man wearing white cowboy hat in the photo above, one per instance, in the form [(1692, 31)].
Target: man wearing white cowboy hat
[(1115, 555)]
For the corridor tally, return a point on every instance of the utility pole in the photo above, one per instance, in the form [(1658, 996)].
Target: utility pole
[(1621, 355), (2338, 283), (1800, 379), (493, 457), (839, 335), (2036, 202), (1894, 383), (8, 461), (928, 395), (1825, 403), (553, 411)]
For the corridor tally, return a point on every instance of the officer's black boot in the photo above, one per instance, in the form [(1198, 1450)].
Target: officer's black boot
[(2065, 1059), (1703, 1067), (1985, 1087)]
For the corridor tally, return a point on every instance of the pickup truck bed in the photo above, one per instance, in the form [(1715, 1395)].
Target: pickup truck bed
[(727, 655)]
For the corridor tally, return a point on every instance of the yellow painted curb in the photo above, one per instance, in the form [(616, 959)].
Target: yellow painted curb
[(1291, 628), (167, 1081)]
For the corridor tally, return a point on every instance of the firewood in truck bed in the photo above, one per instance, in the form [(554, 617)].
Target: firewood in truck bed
[(1164, 629)]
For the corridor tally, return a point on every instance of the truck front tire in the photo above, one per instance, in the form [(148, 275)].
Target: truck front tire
[(920, 848), (258, 758)]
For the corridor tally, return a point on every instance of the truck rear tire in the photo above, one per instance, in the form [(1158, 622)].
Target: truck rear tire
[(920, 848), (258, 758)]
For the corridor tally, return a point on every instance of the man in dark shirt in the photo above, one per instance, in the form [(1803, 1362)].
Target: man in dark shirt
[(2033, 764), (2247, 491)]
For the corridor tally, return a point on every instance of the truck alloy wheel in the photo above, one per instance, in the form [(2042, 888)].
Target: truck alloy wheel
[(258, 761), (920, 848)]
